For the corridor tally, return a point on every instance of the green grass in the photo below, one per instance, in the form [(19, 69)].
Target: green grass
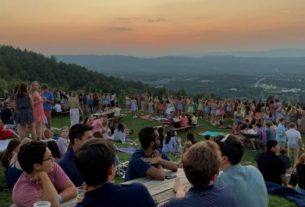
[(135, 124)]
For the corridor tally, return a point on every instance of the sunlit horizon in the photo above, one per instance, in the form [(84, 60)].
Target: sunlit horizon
[(151, 28)]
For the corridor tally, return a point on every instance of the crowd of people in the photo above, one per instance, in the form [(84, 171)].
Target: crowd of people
[(45, 167)]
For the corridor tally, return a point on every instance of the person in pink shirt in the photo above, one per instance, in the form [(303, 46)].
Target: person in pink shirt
[(42, 179), (184, 121)]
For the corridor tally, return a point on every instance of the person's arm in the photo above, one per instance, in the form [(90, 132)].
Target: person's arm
[(179, 188), (69, 191), (156, 173), (170, 165), (49, 192)]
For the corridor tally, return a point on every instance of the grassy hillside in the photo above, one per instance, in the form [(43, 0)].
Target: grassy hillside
[(135, 125), (21, 65)]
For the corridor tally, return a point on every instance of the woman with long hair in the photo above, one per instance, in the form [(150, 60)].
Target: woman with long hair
[(38, 112), (24, 112), (171, 144)]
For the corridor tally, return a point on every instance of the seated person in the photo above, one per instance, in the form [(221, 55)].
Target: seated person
[(63, 140), (6, 114), (52, 145), (184, 121), (171, 143), (5, 133), (119, 134), (271, 166), (298, 179), (14, 170), (201, 165), (148, 161), (246, 182), (42, 178), (194, 120), (106, 131), (7, 156), (236, 129), (58, 108), (99, 186)]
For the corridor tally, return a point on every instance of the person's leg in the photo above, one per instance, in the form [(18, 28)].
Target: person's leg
[(21, 131), (34, 132)]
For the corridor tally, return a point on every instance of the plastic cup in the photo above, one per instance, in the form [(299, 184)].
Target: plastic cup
[(42, 204)]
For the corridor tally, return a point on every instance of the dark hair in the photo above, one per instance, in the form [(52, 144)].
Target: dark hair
[(44, 86), (98, 134), (30, 154), (22, 90), (146, 136), (207, 137), (168, 137), (7, 154), (232, 148), (120, 127), (93, 160), (191, 137), (77, 131), (270, 144)]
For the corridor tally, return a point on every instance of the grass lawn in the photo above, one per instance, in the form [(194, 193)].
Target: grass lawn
[(135, 124)]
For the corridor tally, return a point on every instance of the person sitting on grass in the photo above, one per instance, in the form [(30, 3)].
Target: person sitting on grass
[(148, 161), (271, 166), (246, 182), (42, 178), (201, 165), (171, 143), (95, 161)]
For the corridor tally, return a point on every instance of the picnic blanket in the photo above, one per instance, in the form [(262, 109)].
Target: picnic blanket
[(129, 150), (3, 144), (288, 193), (211, 133)]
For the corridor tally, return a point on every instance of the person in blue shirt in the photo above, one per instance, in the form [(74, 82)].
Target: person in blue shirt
[(246, 181), (281, 134), (95, 161), (48, 103), (201, 164), (78, 134), (148, 161)]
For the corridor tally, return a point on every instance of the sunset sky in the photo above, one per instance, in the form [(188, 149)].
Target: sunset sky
[(151, 27)]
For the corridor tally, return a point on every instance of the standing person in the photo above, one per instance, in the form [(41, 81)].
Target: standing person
[(48, 103), (281, 133), (42, 178), (294, 143), (148, 161), (100, 189), (246, 182), (38, 110), (75, 109), (201, 164), (78, 134), (270, 165), (24, 112)]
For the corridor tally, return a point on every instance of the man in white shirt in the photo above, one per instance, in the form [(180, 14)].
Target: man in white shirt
[(294, 143)]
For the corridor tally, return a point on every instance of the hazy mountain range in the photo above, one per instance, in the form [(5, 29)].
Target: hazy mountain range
[(267, 62)]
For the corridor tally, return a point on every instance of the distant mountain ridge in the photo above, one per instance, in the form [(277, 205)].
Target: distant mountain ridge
[(22, 65), (113, 64)]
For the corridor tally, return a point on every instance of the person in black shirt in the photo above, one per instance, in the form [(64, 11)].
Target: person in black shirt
[(270, 165), (6, 114)]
